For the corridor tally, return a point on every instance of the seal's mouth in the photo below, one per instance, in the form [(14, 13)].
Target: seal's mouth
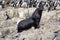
[(40, 8)]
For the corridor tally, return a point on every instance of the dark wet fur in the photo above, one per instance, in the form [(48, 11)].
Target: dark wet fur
[(32, 21)]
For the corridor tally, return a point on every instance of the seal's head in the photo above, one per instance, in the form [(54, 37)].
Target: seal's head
[(40, 7)]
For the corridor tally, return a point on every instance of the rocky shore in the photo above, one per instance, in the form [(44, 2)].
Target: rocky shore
[(50, 23)]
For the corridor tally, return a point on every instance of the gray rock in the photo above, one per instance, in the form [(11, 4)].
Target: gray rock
[(10, 12), (38, 38), (5, 33), (3, 15), (57, 35)]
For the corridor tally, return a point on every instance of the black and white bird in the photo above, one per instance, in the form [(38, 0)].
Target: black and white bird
[(24, 5)]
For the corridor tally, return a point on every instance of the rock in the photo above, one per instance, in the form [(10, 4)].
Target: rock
[(2, 15), (46, 16), (57, 35), (21, 15), (15, 20), (30, 11), (25, 13), (37, 38), (3, 24), (50, 22), (0, 7), (9, 23), (0, 34), (5, 33), (10, 12), (2, 39)]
